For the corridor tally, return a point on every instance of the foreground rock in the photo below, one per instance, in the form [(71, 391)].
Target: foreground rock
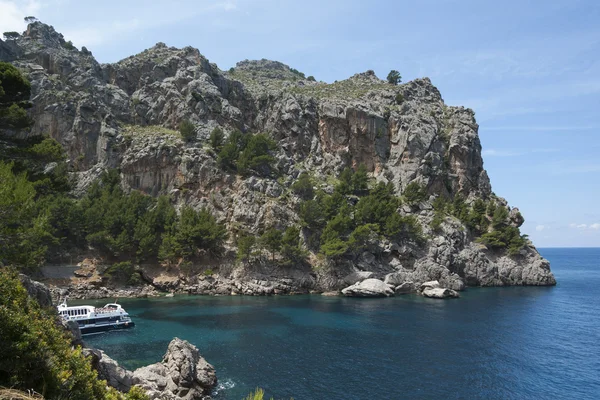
[(37, 291), (110, 371), (440, 293), (368, 288), (182, 374)]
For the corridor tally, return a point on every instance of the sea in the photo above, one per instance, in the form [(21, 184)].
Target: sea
[(491, 343)]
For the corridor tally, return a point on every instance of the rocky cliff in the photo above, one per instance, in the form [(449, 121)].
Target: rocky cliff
[(126, 115)]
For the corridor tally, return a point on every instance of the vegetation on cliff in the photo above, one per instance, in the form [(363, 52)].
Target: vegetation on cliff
[(37, 353)]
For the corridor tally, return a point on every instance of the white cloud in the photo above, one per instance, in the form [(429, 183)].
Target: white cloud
[(594, 226), (515, 152), (13, 12), (540, 228)]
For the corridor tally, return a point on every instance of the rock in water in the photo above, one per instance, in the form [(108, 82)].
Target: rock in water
[(182, 374), (440, 293), (109, 370), (405, 288), (368, 288)]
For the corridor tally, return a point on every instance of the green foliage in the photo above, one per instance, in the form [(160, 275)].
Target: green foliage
[(11, 35), (414, 193), (30, 19), (256, 157), (378, 206), (244, 153), (334, 248), (187, 130), (24, 231), (500, 217), (123, 272), (312, 215), (36, 352), (394, 77), (245, 243), (69, 45), (216, 139), (360, 180), (15, 90), (14, 117), (401, 228), (303, 187), (48, 150), (230, 152), (311, 78), (271, 240), (399, 98), (291, 249), (362, 237), (344, 185)]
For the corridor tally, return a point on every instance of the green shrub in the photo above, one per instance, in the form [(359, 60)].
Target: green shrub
[(311, 78), (414, 193), (394, 77), (69, 45), (123, 272), (303, 187), (187, 130), (14, 117), (291, 249), (399, 98), (245, 243), (271, 240), (216, 139), (49, 150), (256, 157)]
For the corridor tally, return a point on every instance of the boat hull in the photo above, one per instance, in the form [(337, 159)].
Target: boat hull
[(90, 329)]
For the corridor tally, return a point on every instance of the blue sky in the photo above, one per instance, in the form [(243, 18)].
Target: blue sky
[(529, 69)]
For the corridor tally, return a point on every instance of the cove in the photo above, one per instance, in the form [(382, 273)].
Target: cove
[(516, 342)]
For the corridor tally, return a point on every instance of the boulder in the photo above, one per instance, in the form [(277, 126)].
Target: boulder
[(182, 374), (73, 328), (405, 288), (429, 285), (368, 288), (37, 291), (440, 293), (356, 277), (109, 370)]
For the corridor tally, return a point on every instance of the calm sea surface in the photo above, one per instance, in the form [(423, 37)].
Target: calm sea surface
[(493, 343)]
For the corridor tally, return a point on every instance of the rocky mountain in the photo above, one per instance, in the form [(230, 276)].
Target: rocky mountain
[(126, 115)]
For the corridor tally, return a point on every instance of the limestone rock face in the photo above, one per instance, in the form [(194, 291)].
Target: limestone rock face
[(126, 115), (182, 374), (368, 288)]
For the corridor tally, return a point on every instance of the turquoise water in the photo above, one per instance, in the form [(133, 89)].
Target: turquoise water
[(493, 343)]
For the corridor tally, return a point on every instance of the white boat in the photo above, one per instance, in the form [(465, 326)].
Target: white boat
[(94, 320)]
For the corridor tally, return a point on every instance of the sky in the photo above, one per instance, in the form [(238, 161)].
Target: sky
[(529, 69)]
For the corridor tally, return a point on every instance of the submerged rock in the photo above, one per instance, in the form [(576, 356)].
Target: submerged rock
[(440, 293), (368, 288)]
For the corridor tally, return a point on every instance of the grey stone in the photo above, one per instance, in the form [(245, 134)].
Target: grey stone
[(368, 288)]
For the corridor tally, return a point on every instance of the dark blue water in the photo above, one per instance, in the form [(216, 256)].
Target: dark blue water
[(493, 343)]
